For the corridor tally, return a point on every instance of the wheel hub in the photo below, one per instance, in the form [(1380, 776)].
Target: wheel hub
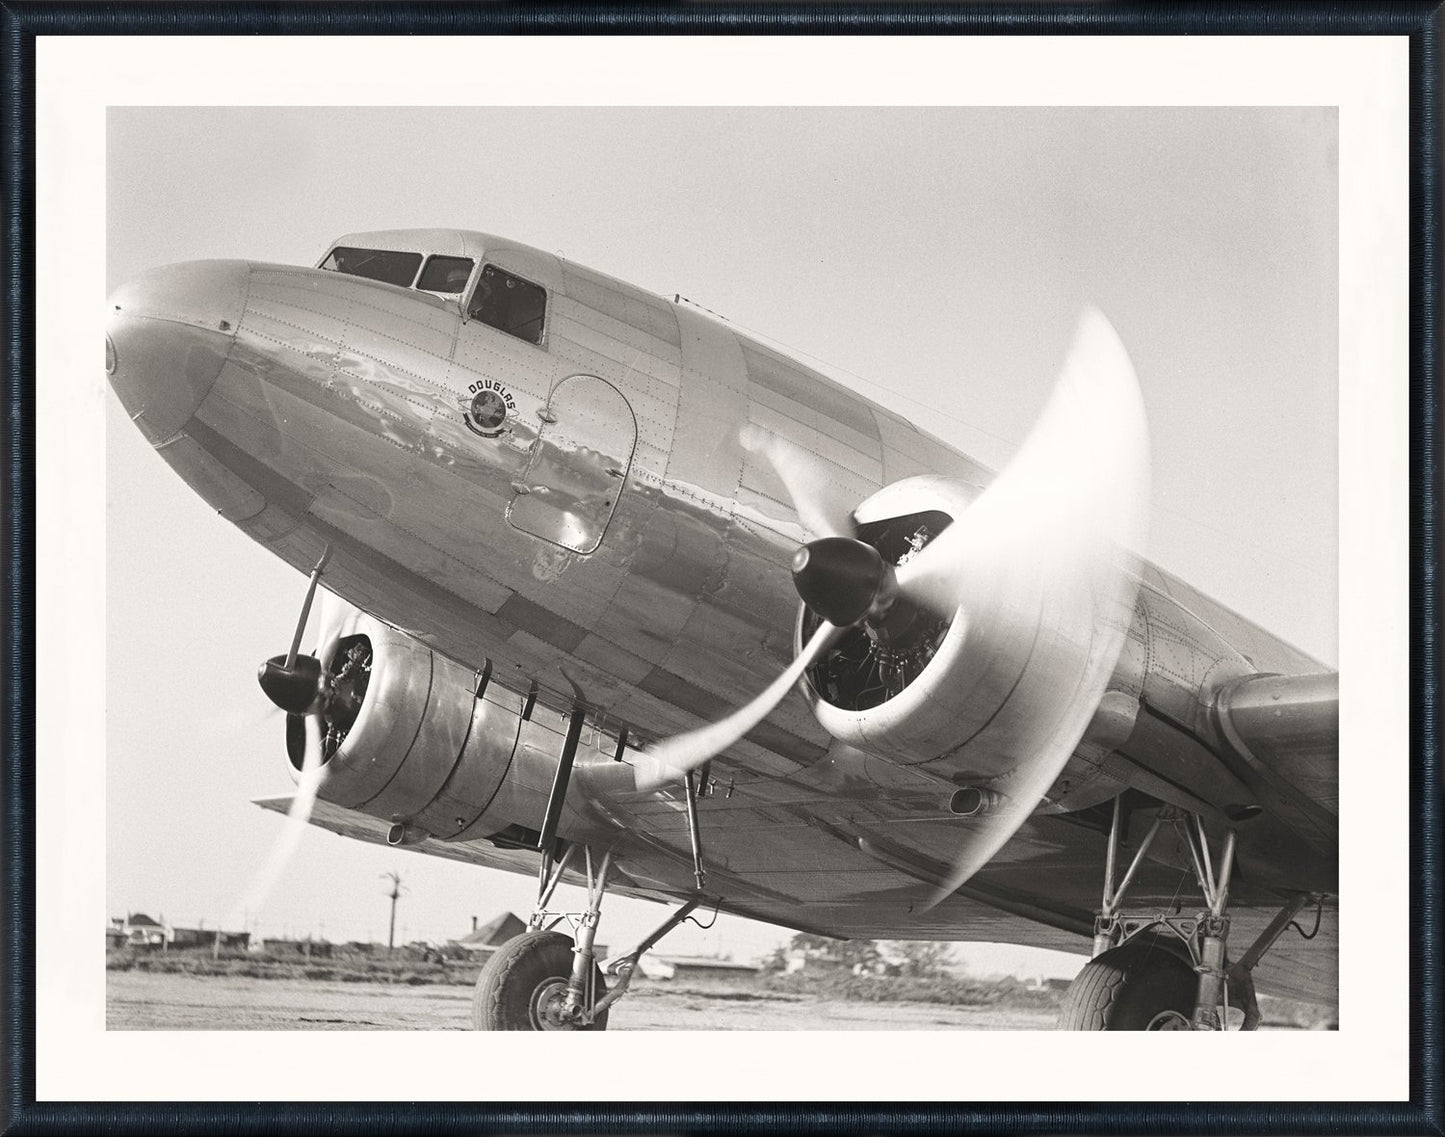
[(1169, 1020), (549, 1006)]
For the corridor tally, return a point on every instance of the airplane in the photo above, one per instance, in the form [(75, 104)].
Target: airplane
[(619, 595)]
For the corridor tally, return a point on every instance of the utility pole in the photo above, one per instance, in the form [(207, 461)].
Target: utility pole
[(395, 879)]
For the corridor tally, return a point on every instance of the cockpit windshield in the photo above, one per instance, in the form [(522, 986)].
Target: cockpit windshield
[(445, 274), (509, 304), (375, 264)]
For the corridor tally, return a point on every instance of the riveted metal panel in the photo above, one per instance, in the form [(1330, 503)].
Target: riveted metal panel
[(595, 291), (1263, 651), (222, 490), (809, 388), (708, 707), (612, 339), (865, 464), (613, 660), (296, 318), (763, 497), (655, 316), (542, 622), (271, 523), (405, 547), (1187, 661), (654, 404), (632, 347), (418, 312), (407, 361), (674, 558), (739, 655), (483, 352), (707, 451), (908, 451), (852, 440)]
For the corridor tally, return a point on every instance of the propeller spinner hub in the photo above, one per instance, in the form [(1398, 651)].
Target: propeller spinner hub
[(843, 580), (295, 689)]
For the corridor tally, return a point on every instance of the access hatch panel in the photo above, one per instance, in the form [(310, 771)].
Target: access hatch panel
[(578, 466)]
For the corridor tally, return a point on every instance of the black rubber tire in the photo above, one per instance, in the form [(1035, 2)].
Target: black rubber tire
[(1127, 987), (513, 980)]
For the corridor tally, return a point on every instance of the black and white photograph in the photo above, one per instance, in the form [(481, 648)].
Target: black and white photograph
[(679, 566), (570, 526)]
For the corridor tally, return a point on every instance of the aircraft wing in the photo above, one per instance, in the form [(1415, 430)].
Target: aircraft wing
[(1039, 894), (363, 827), (1283, 743)]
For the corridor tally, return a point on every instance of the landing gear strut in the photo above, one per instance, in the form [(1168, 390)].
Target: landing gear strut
[(1167, 971), (525, 986), (542, 980)]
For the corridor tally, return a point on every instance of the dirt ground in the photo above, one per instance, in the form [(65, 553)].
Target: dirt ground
[(142, 1001)]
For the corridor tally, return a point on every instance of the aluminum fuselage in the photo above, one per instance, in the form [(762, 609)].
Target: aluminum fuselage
[(337, 418)]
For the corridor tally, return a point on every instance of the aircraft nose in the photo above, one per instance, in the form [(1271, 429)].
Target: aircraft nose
[(168, 336)]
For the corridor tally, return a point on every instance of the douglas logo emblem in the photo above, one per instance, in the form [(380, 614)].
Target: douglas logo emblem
[(490, 405)]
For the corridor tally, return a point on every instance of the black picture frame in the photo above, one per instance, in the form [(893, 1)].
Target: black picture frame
[(23, 22)]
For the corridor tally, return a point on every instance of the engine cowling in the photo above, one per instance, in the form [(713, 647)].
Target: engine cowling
[(410, 736), (925, 689)]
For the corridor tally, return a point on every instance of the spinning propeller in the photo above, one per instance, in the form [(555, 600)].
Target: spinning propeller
[(1042, 561), (304, 687)]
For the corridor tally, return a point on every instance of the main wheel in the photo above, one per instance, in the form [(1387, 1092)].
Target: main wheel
[(524, 986), (1139, 985)]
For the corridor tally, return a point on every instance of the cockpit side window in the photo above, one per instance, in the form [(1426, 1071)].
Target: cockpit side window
[(374, 264), (445, 274), (509, 304)]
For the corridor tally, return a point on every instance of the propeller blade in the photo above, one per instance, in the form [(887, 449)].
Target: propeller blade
[(1078, 488), (813, 493), (673, 757), (1048, 552), (331, 615), (264, 882), (1045, 557), (299, 684), (306, 606)]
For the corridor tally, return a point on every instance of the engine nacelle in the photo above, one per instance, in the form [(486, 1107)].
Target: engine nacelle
[(430, 744), (946, 691)]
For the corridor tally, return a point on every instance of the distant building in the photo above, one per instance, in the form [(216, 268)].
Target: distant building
[(302, 949), (191, 938), (206, 938), (484, 939), (481, 941), (699, 969), (137, 930), (815, 963)]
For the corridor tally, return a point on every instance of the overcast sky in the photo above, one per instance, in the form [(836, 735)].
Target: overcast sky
[(935, 260)]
